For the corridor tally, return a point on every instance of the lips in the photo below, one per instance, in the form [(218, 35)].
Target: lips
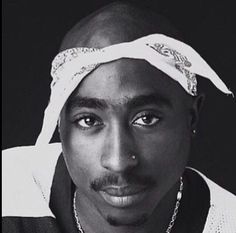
[(124, 190), (122, 197)]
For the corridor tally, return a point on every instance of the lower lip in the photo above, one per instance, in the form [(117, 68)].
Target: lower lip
[(123, 201)]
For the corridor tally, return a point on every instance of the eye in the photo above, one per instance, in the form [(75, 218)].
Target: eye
[(87, 122), (147, 119)]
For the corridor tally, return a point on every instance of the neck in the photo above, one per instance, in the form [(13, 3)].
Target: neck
[(92, 221)]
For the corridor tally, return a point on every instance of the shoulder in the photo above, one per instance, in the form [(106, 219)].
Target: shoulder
[(219, 196), (222, 212), (29, 225), (27, 176), (22, 152), (27, 157)]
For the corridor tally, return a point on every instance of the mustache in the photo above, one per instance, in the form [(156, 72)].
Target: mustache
[(113, 179)]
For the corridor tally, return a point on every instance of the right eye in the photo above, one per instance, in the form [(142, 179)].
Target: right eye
[(87, 122)]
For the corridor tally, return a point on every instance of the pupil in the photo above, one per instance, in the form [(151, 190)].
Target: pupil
[(89, 121), (147, 119)]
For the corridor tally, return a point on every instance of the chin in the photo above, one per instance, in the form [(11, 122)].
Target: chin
[(136, 214)]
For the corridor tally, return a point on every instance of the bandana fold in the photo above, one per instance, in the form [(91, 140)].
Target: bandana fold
[(173, 57)]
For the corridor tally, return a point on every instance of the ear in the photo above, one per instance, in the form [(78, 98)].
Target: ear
[(195, 110)]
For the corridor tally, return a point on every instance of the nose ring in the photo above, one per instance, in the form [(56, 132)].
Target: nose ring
[(133, 157)]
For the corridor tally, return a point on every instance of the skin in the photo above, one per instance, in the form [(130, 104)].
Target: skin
[(98, 142), (98, 138)]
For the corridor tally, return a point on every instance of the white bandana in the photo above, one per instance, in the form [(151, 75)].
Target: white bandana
[(175, 58)]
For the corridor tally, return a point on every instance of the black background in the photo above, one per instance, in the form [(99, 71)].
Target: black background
[(33, 30)]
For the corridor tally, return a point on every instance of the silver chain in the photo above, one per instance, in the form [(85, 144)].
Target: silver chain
[(79, 227), (177, 204), (172, 221)]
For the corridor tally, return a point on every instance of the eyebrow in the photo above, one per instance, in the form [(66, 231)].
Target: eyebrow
[(155, 98), (85, 102), (131, 103)]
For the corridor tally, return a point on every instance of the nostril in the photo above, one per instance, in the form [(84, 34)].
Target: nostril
[(118, 150), (119, 163)]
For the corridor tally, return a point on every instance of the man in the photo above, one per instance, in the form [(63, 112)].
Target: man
[(124, 96)]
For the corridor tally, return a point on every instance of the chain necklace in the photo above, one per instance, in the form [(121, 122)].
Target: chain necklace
[(172, 221)]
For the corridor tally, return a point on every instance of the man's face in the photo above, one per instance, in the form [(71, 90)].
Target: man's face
[(125, 108)]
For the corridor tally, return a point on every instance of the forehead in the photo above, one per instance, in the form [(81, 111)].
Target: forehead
[(126, 78)]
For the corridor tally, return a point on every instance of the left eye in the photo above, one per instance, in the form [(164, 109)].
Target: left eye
[(146, 120)]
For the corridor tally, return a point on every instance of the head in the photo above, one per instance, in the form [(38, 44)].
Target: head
[(121, 109)]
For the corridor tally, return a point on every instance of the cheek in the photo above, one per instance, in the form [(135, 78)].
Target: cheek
[(166, 152), (82, 156)]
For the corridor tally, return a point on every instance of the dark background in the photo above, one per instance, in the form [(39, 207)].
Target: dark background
[(33, 30)]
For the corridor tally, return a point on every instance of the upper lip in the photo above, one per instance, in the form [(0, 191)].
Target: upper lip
[(120, 191)]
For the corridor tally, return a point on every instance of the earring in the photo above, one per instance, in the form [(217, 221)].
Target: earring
[(194, 131), (133, 157)]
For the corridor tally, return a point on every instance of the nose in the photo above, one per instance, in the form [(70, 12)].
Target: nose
[(119, 154)]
